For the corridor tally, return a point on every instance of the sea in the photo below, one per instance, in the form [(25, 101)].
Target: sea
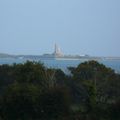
[(63, 64)]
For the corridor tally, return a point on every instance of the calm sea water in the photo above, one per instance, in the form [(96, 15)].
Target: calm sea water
[(63, 64)]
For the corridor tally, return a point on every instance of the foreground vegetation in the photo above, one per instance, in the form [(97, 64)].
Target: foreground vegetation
[(30, 91)]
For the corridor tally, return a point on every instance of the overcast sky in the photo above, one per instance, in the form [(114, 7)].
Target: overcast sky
[(77, 26)]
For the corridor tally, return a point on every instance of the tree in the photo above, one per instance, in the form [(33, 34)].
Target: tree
[(30, 72), (19, 102), (100, 86)]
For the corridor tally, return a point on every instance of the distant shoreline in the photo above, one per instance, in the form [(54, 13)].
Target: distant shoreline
[(50, 56)]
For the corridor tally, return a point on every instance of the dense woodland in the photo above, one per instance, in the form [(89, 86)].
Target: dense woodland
[(31, 91)]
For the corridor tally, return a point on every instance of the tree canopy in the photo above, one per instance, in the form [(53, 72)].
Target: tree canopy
[(31, 91)]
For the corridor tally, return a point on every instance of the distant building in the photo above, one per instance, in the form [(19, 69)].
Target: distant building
[(57, 54), (57, 51)]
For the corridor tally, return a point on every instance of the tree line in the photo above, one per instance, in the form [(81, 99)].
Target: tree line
[(31, 91)]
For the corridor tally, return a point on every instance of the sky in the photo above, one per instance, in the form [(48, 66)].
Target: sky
[(78, 26)]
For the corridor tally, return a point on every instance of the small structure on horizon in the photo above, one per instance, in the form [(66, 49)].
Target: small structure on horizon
[(57, 51)]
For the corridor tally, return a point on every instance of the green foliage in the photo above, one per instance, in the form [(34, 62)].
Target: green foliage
[(30, 72), (5, 75), (27, 101), (30, 91), (100, 86), (88, 71), (53, 104), (19, 101)]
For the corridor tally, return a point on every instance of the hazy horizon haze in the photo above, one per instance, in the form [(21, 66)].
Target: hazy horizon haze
[(78, 26)]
